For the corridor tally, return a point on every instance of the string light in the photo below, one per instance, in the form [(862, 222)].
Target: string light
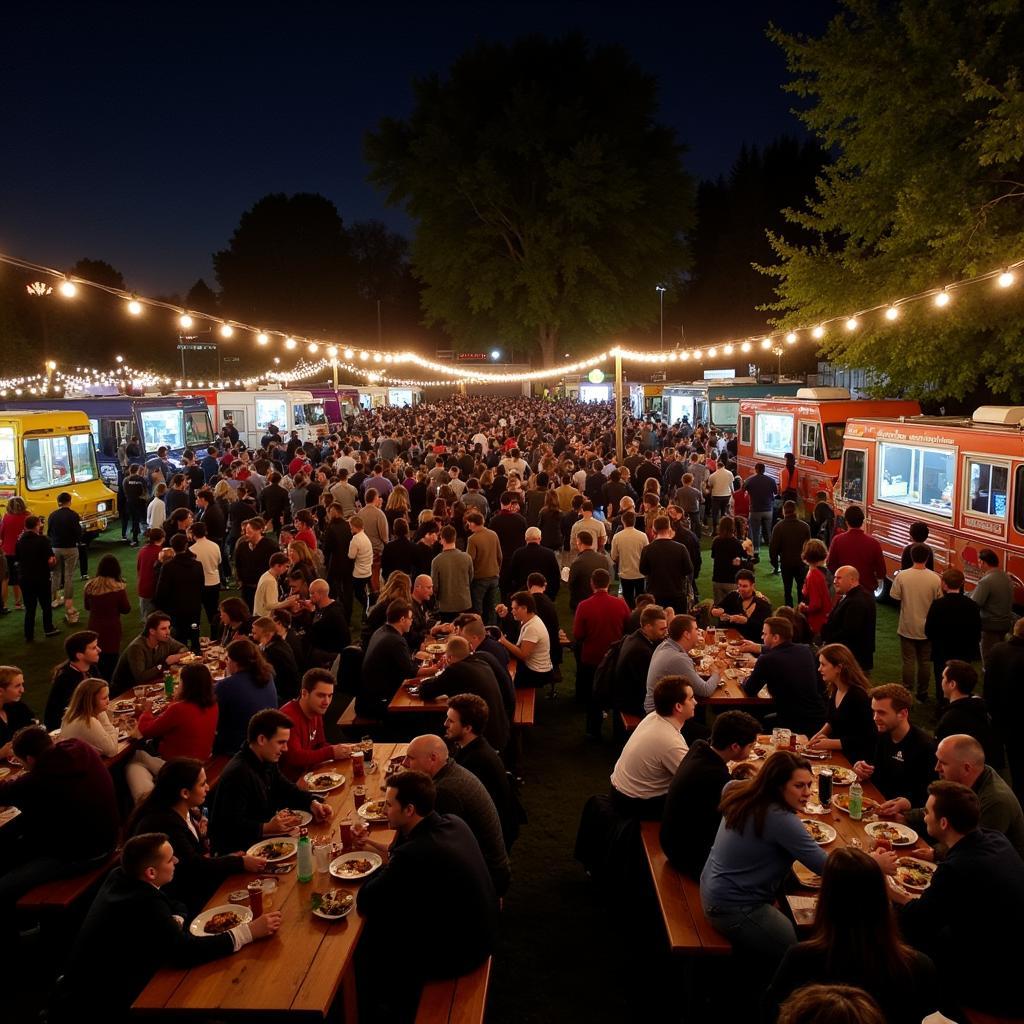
[(185, 321), (942, 299), (1006, 279), (852, 324), (290, 343), (791, 338), (818, 332), (135, 307), (261, 338), (226, 330), (68, 289), (892, 313)]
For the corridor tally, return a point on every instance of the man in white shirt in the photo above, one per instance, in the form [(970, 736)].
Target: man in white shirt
[(649, 760), (719, 485), (480, 438), (360, 550), (672, 658), (627, 546), (915, 589), (209, 556), (533, 648), (595, 527), (268, 590)]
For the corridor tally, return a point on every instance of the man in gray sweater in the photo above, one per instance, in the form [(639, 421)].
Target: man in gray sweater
[(993, 594), (452, 574)]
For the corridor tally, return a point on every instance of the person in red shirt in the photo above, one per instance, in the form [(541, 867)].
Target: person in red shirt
[(307, 744), (817, 603), (145, 567), (297, 464), (856, 548), (600, 622), (305, 519)]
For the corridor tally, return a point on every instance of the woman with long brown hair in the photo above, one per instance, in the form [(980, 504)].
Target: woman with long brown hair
[(247, 688), (849, 725), (759, 838), (86, 718), (398, 506), (106, 600), (856, 942), (550, 522)]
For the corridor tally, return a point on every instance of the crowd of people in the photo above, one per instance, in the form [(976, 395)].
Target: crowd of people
[(461, 523)]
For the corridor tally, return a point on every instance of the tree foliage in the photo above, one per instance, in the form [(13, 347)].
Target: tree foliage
[(921, 105), (548, 200)]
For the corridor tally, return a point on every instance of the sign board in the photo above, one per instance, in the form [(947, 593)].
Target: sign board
[(719, 374), (472, 357), (199, 347), (596, 376)]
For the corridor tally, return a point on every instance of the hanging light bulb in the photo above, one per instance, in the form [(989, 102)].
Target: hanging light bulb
[(332, 351), (134, 307), (226, 330), (727, 350), (892, 313), (712, 352), (745, 347), (349, 353), (852, 323), (290, 343), (364, 356), (791, 338), (261, 339), (818, 332), (68, 289), (942, 299), (312, 348), (1006, 279), (185, 321), (766, 343)]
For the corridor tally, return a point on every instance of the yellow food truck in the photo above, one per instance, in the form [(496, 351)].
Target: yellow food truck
[(45, 453)]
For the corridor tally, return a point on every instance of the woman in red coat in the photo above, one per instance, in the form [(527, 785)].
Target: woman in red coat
[(106, 600), (145, 566), (817, 602), (11, 528)]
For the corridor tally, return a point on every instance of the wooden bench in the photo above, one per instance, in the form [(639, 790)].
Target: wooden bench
[(214, 767), (63, 893), (629, 722), (689, 931), (350, 720), (456, 1001), (526, 706)]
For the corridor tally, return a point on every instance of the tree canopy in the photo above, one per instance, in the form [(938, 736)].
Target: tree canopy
[(920, 103), (549, 202)]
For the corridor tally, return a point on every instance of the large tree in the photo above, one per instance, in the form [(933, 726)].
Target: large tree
[(548, 199), (920, 102)]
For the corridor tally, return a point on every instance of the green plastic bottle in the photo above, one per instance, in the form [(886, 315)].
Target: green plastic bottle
[(169, 685), (304, 868), (856, 801)]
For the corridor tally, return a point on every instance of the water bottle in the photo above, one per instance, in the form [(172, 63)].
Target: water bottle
[(169, 685), (304, 870), (856, 801)]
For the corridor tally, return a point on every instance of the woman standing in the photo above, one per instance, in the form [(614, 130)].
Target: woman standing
[(817, 603), (398, 506), (15, 714), (106, 600), (146, 570), (86, 718), (849, 725), (550, 522), (11, 527), (248, 688), (305, 521), (727, 556)]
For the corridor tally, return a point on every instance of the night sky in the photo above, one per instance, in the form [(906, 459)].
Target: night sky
[(138, 134)]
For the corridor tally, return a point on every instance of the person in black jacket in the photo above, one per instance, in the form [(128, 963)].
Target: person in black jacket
[(328, 634), (179, 591), (464, 728), (172, 807), (133, 915), (535, 558), (953, 625), (691, 817), (274, 502), (386, 663), (666, 565), (136, 498), (434, 865), (287, 675), (786, 551), (743, 608), (399, 554), (252, 799), (629, 688), (252, 558), (966, 712), (852, 619), (336, 540), (583, 566), (35, 558), (1004, 695)]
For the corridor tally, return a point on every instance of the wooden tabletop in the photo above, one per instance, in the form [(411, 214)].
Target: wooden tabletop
[(304, 966), (403, 700), (731, 693)]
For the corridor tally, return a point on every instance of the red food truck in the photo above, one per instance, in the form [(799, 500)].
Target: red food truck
[(811, 426), (964, 477)]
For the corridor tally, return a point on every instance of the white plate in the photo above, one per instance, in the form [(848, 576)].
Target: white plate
[(830, 832), (365, 812), (917, 862), (293, 845), (304, 817), (199, 921), (121, 707), (335, 917), (337, 781), (907, 835), (375, 860), (846, 776)]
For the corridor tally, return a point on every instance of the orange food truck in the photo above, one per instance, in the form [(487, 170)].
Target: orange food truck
[(811, 426), (964, 477)]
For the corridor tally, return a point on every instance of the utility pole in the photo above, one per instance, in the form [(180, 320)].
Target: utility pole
[(619, 451), (660, 289)]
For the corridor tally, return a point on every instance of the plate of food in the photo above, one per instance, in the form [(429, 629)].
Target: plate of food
[(758, 751), (840, 776), (274, 849), (303, 818), (218, 920), (353, 867), (914, 874), (821, 833), (121, 707), (434, 648), (373, 810), (333, 904), (898, 835), (323, 782), (696, 652), (842, 801)]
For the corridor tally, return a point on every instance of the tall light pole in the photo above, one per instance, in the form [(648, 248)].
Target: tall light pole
[(660, 289)]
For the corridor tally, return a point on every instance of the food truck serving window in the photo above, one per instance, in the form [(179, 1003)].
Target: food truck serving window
[(920, 478), (986, 487), (271, 410), (810, 442), (854, 462), (745, 429), (774, 433), (8, 467), (197, 427), (834, 439), (83, 461), (162, 427), (724, 413)]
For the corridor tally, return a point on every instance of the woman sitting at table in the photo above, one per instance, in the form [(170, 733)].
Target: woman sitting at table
[(856, 942), (849, 726), (248, 688), (15, 714), (86, 718), (759, 838), (235, 618), (185, 728), (397, 586), (173, 807)]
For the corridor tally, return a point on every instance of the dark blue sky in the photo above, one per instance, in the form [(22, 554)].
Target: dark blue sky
[(139, 133)]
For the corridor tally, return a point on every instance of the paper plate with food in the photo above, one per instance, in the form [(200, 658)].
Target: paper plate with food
[(434, 648), (914, 874), (373, 810), (218, 920), (274, 849), (323, 782), (821, 833), (352, 867), (898, 835), (840, 776), (124, 706), (333, 904), (842, 801)]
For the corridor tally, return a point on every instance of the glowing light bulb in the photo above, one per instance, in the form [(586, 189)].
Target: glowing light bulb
[(892, 313), (312, 348), (852, 324), (261, 339), (1005, 279), (68, 289), (134, 307), (745, 347), (818, 332), (226, 330), (332, 351), (377, 357), (185, 321), (290, 343), (364, 356), (348, 353), (942, 299), (727, 350), (712, 352), (684, 356), (791, 338)]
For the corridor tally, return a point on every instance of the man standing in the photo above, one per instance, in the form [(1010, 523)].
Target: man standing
[(856, 548), (672, 658), (136, 497), (360, 554), (64, 528), (535, 558), (1005, 697), (627, 547), (208, 555), (35, 560), (510, 527), (667, 567), (484, 549), (586, 562), (252, 557), (719, 486), (179, 592), (762, 490), (852, 619), (993, 594), (916, 589), (268, 590), (307, 742), (375, 525), (452, 575), (786, 551), (953, 626), (328, 633), (588, 524)]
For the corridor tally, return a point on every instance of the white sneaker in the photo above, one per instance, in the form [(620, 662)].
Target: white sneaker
[(56, 602)]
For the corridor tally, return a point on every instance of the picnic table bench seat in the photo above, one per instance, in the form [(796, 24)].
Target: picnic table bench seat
[(456, 1000), (689, 931), (61, 894), (526, 706), (629, 722), (214, 766), (351, 720)]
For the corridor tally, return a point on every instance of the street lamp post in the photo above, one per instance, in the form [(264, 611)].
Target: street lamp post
[(660, 289)]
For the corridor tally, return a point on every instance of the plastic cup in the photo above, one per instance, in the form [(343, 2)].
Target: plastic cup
[(322, 857)]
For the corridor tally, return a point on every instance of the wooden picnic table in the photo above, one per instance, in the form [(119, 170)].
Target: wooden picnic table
[(307, 963), (731, 693)]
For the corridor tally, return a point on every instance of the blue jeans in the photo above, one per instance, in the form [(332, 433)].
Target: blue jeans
[(759, 929), (486, 595), (760, 523)]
